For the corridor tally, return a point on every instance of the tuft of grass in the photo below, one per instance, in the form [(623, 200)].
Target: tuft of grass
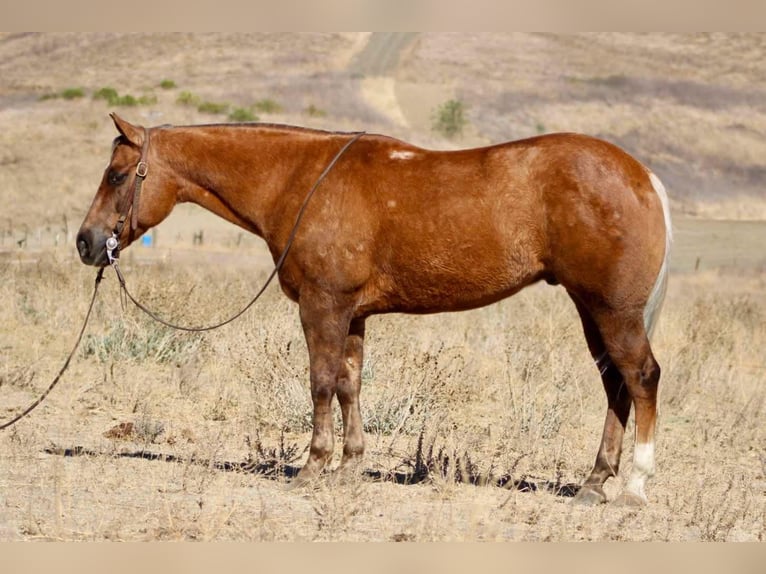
[(242, 115), (167, 84), (187, 99), (213, 108), (449, 119), (314, 111), (113, 98), (143, 342), (106, 93), (72, 93), (66, 94), (267, 106)]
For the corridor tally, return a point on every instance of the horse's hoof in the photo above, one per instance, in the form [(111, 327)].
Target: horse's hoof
[(629, 499), (590, 495), (347, 474), (302, 480)]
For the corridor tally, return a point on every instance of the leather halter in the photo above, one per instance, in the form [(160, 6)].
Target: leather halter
[(130, 205)]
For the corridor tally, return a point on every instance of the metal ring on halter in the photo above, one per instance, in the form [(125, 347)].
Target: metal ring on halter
[(112, 249)]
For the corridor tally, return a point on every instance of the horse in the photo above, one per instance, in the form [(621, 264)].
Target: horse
[(396, 228)]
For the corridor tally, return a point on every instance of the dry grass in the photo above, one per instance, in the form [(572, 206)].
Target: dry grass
[(506, 392), (156, 435)]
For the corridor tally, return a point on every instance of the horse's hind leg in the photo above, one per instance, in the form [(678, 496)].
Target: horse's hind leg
[(618, 409), (349, 385), (628, 347)]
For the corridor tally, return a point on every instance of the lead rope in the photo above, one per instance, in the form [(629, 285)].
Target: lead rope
[(114, 257), (31, 407)]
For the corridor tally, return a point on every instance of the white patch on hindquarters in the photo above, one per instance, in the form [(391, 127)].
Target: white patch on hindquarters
[(401, 154), (643, 468)]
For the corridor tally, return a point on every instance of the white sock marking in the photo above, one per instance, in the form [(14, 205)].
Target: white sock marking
[(643, 468)]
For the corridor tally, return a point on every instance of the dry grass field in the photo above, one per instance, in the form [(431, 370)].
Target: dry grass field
[(479, 424)]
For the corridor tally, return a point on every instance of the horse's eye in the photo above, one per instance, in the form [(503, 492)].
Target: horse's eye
[(116, 178)]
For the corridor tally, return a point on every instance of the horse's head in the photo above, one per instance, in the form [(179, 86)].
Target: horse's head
[(117, 208)]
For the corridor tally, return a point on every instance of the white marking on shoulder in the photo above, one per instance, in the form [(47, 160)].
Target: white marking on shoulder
[(401, 154)]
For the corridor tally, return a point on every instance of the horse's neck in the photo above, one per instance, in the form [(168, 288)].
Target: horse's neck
[(242, 173)]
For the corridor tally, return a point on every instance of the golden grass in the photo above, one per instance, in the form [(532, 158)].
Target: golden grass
[(507, 390)]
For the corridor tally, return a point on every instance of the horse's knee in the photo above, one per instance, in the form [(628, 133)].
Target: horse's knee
[(347, 390), (646, 383), (650, 373), (322, 389)]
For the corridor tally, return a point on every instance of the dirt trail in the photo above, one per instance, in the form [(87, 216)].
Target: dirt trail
[(408, 104), (382, 54)]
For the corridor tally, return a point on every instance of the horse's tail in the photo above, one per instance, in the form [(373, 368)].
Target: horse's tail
[(657, 296)]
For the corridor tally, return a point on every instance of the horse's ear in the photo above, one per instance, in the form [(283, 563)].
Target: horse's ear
[(134, 134)]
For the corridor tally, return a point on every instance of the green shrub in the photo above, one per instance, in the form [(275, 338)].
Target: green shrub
[(267, 106), (113, 98), (126, 100), (147, 100), (167, 84), (449, 119), (106, 93), (213, 108), (242, 115), (72, 93), (314, 111), (187, 99)]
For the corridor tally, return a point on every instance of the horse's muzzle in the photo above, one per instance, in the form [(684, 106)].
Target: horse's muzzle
[(92, 247)]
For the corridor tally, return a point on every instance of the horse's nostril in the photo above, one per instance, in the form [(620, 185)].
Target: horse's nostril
[(83, 246)]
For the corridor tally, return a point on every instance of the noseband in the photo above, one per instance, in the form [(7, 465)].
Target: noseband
[(130, 205)]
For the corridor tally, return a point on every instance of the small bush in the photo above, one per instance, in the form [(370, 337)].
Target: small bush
[(314, 111), (113, 98), (167, 84), (242, 115), (67, 94), (126, 100), (449, 119), (187, 99), (106, 93), (267, 106), (213, 108), (72, 93)]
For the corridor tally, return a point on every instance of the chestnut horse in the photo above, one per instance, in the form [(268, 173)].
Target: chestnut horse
[(397, 228)]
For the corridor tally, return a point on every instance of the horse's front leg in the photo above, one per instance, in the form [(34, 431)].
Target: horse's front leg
[(325, 319)]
